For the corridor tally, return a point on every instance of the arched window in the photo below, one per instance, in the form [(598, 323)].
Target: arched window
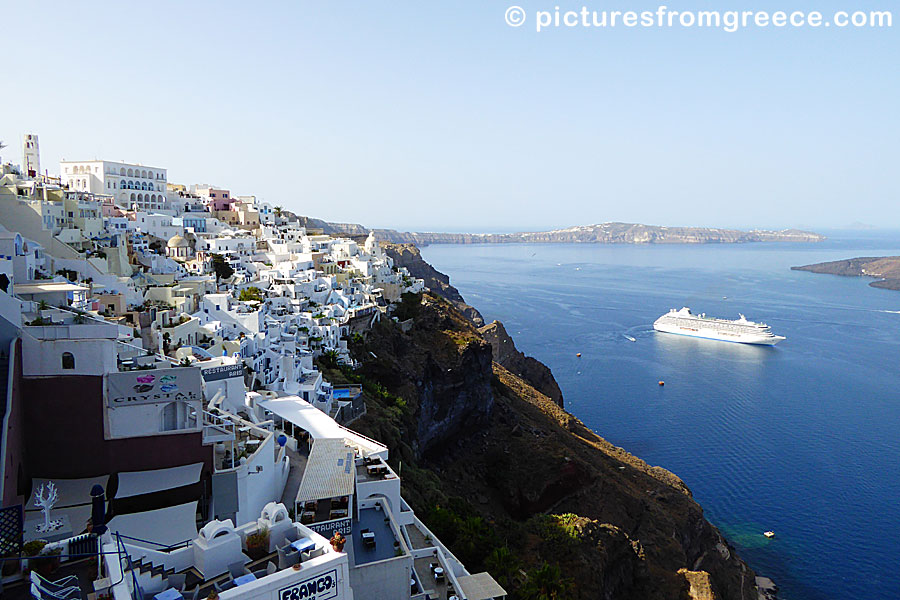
[(140, 197), (130, 172), (68, 360), (132, 197), (122, 171), (143, 185), (143, 173)]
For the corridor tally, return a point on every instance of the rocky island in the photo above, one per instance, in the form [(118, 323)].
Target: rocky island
[(885, 269), (605, 233), (512, 482)]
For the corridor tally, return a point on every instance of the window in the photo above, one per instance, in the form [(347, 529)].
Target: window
[(170, 417), (68, 360)]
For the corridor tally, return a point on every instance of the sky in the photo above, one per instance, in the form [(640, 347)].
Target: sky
[(439, 116)]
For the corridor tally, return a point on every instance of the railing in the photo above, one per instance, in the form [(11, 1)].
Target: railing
[(137, 593), (161, 547)]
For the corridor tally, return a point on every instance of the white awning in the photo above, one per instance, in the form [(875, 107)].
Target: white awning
[(330, 471), (165, 526), (135, 483), (480, 586), (319, 425)]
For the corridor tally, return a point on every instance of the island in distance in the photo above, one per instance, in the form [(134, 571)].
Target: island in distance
[(886, 269), (605, 233)]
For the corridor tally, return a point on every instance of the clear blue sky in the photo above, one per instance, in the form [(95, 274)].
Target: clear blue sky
[(438, 116)]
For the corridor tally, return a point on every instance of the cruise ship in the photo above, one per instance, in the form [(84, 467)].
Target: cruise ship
[(742, 331)]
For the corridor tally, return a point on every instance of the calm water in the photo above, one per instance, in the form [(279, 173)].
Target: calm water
[(801, 438)]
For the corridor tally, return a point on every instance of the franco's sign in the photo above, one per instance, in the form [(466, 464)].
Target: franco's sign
[(129, 388), (320, 587)]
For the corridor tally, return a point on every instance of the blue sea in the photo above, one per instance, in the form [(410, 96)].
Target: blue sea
[(801, 439)]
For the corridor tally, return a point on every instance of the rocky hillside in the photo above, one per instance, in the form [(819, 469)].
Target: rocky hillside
[(504, 348), (886, 269), (516, 485), (605, 233), (408, 255)]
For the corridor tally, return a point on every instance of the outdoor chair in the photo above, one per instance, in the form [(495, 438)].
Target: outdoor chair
[(42, 593), (53, 586), (177, 581), (236, 569), (271, 568), (287, 557), (227, 584)]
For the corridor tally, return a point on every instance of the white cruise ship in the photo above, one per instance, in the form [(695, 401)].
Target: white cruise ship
[(684, 322)]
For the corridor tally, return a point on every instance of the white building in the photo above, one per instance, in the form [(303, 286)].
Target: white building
[(31, 155), (130, 184)]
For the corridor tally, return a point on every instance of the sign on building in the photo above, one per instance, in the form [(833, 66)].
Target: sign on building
[(327, 528), (223, 372), (131, 388), (320, 587)]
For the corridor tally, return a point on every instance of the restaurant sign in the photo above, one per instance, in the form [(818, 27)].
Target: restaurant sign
[(130, 388), (223, 372), (327, 528), (320, 587)]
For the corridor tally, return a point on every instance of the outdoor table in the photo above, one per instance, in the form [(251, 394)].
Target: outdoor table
[(303, 544), (169, 594), (244, 579)]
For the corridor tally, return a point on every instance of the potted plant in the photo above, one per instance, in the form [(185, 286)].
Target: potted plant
[(258, 543), (31, 550)]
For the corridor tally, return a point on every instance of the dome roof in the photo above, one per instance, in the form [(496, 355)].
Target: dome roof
[(176, 241)]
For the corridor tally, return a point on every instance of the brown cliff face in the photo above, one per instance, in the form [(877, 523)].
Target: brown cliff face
[(487, 461), (408, 255), (536, 373), (503, 346)]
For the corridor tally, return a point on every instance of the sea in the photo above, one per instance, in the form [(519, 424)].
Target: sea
[(802, 439)]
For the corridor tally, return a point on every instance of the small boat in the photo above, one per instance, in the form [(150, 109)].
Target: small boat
[(769, 534), (578, 355), (630, 339), (661, 383)]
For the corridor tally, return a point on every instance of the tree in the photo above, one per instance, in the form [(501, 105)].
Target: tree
[(222, 269), (278, 211), (546, 583), (251, 293), (503, 565)]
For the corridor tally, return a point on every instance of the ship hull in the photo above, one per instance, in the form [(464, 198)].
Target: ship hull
[(711, 333)]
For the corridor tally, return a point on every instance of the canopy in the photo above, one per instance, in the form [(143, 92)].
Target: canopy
[(319, 425), (135, 483), (329, 472), (164, 526), (480, 586)]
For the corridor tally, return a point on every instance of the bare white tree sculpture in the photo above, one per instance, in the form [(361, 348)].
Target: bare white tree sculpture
[(45, 503)]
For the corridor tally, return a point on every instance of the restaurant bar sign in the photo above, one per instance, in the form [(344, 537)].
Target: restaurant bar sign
[(130, 388), (320, 587), (328, 528), (223, 372)]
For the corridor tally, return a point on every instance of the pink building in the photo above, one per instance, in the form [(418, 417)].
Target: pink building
[(216, 199)]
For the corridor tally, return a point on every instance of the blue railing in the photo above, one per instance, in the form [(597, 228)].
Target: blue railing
[(137, 592), (160, 545)]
